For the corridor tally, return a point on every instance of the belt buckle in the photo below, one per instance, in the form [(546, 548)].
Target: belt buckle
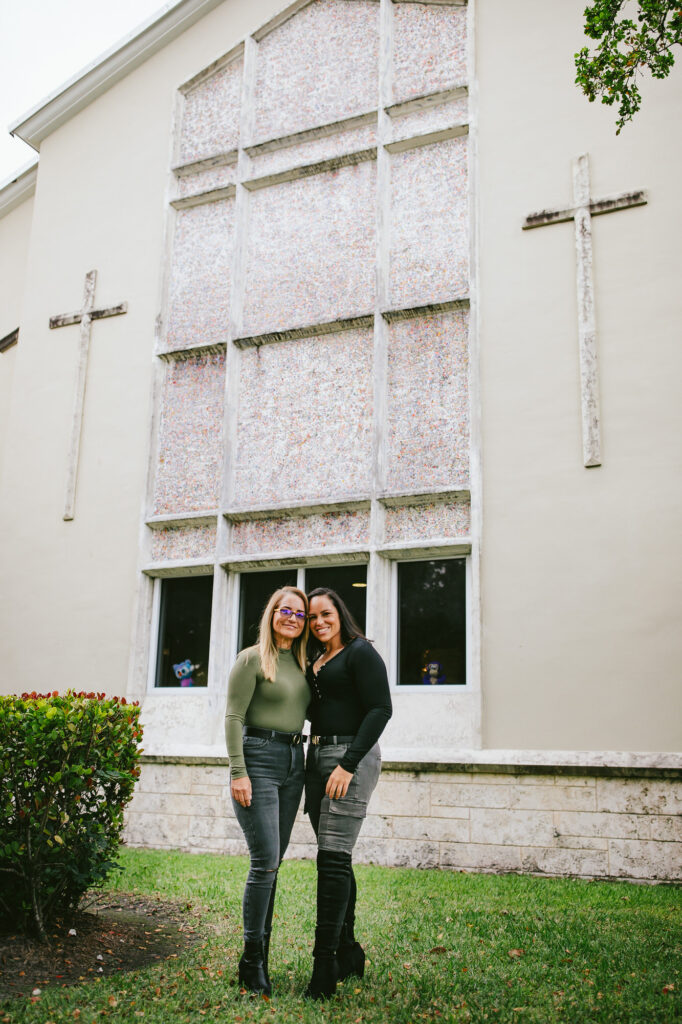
[(295, 740)]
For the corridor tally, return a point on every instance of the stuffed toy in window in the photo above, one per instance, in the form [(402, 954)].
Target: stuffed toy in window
[(433, 675), (183, 671)]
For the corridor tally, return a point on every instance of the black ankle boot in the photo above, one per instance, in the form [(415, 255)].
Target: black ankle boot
[(350, 955), (322, 985), (252, 974), (333, 887)]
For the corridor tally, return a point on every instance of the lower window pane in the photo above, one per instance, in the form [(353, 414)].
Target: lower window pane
[(349, 582), (184, 631), (255, 591), (432, 622)]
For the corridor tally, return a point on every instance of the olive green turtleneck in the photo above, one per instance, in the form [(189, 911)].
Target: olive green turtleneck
[(254, 700)]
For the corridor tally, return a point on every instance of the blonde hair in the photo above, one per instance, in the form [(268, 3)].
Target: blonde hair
[(267, 648)]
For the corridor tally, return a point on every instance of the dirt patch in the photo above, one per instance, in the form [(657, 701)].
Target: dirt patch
[(114, 933)]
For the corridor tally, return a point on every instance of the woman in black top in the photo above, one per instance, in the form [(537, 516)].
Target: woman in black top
[(350, 707)]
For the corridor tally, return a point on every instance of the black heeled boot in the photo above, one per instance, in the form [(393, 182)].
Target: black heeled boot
[(252, 974), (322, 985), (333, 890), (350, 954), (266, 956), (268, 931)]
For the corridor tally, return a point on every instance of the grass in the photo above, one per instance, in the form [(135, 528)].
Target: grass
[(443, 947)]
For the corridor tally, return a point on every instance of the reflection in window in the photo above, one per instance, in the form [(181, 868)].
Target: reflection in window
[(432, 622), (349, 582), (255, 591), (184, 631)]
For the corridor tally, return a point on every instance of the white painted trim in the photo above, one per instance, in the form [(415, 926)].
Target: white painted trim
[(207, 163), (321, 131), (474, 613), (154, 635), (288, 559), (178, 519), (392, 660), (436, 3), (429, 99), (408, 499), (212, 69), (108, 69), (437, 547), (289, 510), (235, 613), (279, 19), (213, 195), (17, 189), (179, 567), (429, 139), (350, 159)]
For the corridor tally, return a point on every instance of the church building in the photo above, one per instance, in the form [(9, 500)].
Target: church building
[(363, 294)]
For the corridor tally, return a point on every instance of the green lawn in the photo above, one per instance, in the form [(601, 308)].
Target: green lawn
[(442, 947)]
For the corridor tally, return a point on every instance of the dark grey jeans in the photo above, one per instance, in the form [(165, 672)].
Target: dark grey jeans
[(337, 823), (276, 772)]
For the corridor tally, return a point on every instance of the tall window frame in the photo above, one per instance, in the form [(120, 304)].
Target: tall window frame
[(394, 655), (156, 626), (301, 583)]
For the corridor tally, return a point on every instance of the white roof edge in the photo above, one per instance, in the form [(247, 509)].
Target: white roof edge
[(18, 188), (113, 65)]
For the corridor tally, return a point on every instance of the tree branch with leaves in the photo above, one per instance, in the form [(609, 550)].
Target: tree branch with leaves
[(627, 48)]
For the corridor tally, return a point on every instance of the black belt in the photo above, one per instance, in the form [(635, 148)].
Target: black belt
[(325, 741), (291, 738)]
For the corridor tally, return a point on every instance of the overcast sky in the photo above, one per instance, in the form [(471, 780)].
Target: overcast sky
[(45, 42)]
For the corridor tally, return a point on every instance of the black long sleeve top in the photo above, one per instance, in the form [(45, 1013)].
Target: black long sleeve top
[(351, 697)]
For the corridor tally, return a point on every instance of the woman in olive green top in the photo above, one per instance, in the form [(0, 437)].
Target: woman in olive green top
[(267, 699)]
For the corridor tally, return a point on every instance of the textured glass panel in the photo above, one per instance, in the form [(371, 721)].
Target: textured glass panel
[(429, 119), (190, 435), (204, 181), (429, 52), (423, 522), (200, 275), (311, 250), (305, 420), (176, 542), (318, 67), (210, 122), (428, 403), (331, 529), (429, 224)]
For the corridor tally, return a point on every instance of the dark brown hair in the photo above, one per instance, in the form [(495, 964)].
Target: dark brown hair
[(349, 627)]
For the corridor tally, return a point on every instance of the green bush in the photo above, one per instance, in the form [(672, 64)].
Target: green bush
[(68, 765)]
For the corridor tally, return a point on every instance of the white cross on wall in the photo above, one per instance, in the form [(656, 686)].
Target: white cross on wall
[(84, 317), (581, 213)]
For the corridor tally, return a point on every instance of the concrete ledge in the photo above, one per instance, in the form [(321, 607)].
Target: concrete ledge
[(611, 764)]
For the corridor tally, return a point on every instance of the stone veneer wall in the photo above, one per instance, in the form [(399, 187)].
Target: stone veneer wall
[(596, 822)]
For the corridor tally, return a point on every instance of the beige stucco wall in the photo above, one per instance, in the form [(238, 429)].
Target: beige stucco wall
[(579, 599), (581, 580), (15, 232), (68, 588)]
